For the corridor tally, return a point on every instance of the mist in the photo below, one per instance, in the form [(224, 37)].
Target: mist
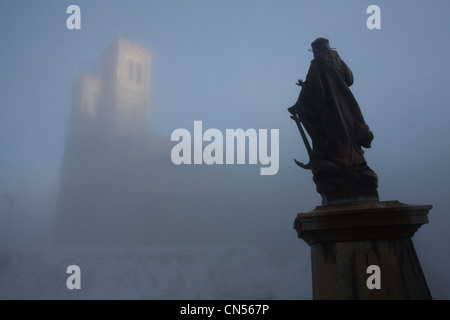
[(94, 183)]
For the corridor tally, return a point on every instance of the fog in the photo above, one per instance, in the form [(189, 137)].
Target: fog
[(95, 192)]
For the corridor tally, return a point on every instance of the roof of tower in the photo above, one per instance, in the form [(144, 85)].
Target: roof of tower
[(90, 77), (128, 45)]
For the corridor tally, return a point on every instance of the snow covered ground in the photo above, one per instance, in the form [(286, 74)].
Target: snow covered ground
[(156, 273)]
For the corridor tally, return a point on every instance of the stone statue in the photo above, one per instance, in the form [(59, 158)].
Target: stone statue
[(329, 112)]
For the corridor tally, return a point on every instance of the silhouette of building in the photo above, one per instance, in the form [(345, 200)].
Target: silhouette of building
[(104, 177)]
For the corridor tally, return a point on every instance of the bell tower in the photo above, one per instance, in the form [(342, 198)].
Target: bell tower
[(103, 179), (125, 88)]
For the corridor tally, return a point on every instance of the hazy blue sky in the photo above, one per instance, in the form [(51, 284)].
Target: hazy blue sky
[(234, 64)]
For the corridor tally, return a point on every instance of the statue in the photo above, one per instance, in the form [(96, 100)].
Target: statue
[(329, 112)]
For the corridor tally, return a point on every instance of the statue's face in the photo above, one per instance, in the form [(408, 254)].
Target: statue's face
[(319, 49)]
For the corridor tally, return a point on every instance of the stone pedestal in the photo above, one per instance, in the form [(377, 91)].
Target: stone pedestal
[(346, 239)]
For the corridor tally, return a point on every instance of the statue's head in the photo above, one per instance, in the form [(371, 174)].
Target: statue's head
[(320, 45)]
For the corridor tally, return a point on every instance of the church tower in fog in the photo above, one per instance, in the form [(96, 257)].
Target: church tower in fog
[(106, 153), (115, 104), (125, 87)]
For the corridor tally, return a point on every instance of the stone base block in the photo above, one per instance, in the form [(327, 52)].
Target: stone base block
[(347, 239)]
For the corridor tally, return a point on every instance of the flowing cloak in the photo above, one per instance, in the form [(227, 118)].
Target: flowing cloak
[(331, 114)]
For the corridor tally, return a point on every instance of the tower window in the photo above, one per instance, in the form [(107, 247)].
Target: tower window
[(138, 72), (95, 98), (130, 70)]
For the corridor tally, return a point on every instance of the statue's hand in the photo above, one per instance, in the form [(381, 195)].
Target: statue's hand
[(292, 110), (366, 143), (300, 82)]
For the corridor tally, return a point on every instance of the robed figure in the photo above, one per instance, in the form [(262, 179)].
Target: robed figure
[(333, 119)]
